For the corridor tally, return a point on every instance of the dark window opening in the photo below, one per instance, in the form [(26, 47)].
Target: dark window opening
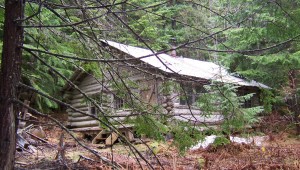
[(118, 103), (247, 103), (252, 102), (190, 95), (98, 100), (186, 97), (93, 110)]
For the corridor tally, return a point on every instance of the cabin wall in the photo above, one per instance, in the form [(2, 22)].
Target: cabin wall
[(191, 113), (147, 88), (104, 90), (90, 86)]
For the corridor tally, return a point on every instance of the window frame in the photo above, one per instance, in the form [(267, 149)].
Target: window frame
[(118, 103), (191, 95)]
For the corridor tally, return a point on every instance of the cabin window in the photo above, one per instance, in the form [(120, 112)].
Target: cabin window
[(190, 94), (118, 103), (252, 102), (93, 110), (248, 103), (187, 96)]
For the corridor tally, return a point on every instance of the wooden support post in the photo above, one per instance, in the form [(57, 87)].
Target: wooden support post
[(61, 150), (111, 139), (22, 116), (129, 135), (99, 137)]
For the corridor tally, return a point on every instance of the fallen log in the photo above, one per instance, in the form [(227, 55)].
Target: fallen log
[(85, 123), (44, 141)]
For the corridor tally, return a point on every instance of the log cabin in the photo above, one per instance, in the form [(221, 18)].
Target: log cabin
[(163, 83)]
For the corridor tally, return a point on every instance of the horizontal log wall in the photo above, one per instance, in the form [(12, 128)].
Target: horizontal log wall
[(90, 86)]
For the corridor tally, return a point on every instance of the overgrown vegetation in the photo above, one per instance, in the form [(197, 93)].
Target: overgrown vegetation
[(223, 99), (258, 40)]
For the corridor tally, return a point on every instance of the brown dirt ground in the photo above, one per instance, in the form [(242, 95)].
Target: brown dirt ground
[(281, 152)]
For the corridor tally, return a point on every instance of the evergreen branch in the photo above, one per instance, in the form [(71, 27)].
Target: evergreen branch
[(287, 13), (81, 33), (183, 23), (248, 52), (68, 7), (34, 14), (166, 17), (208, 8), (63, 25), (222, 30), (189, 105), (141, 8)]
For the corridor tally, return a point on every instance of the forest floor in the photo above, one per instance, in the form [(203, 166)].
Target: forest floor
[(281, 151)]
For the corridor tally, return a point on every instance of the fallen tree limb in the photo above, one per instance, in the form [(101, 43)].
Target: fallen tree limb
[(43, 140), (60, 156), (86, 158), (21, 163)]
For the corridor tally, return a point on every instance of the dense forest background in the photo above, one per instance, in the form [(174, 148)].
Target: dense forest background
[(254, 39)]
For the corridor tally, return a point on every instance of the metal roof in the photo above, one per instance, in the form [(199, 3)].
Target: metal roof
[(184, 66)]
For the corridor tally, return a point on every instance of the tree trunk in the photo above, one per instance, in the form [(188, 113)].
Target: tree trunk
[(295, 98), (9, 79), (297, 116)]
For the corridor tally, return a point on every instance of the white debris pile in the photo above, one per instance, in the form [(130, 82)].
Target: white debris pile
[(205, 143), (256, 140), (236, 139), (29, 138)]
